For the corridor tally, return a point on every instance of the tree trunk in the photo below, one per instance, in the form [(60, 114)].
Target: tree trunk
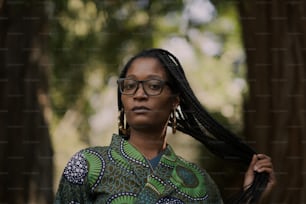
[(274, 34), (26, 166)]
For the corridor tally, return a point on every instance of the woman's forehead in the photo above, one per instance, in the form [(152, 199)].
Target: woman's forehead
[(146, 66)]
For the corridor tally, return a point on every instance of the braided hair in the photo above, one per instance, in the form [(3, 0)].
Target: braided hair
[(194, 120)]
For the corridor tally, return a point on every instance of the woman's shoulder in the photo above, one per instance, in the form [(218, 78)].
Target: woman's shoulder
[(195, 168), (96, 150), (85, 162), (190, 165), (87, 154)]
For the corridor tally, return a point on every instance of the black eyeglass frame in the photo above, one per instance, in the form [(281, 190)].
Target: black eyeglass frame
[(162, 83)]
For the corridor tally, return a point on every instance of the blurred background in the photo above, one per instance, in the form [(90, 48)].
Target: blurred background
[(59, 61)]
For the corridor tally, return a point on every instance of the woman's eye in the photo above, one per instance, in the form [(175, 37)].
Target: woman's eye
[(129, 86), (154, 86)]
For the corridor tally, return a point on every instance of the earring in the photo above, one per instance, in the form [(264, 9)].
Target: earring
[(121, 127), (173, 121)]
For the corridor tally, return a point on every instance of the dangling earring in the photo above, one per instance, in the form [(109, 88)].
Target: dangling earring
[(173, 121), (121, 127)]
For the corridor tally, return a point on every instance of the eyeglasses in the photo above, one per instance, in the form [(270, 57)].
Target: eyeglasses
[(152, 87)]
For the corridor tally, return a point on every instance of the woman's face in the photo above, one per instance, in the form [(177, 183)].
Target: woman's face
[(144, 112)]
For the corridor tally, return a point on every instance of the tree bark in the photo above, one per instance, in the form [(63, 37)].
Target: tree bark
[(274, 35), (26, 166)]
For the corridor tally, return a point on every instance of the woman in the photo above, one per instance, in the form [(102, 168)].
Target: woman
[(139, 166)]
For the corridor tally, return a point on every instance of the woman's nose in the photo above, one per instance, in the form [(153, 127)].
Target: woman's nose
[(140, 92)]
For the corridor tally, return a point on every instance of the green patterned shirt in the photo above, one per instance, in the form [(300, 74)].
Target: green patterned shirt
[(120, 174)]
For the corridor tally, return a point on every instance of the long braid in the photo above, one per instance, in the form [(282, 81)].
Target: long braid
[(194, 120), (199, 113)]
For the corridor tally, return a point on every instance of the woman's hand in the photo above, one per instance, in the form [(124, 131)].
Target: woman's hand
[(260, 163)]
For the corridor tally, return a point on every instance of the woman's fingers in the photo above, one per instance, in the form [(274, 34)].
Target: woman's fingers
[(260, 163), (249, 174), (253, 162), (263, 164)]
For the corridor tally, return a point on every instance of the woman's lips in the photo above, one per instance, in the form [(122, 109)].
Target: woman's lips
[(140, 109)]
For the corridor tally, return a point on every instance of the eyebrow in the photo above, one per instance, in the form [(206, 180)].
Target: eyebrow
[(152, 76)]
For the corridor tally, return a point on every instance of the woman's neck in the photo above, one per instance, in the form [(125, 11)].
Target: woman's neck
[(148, 143)]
